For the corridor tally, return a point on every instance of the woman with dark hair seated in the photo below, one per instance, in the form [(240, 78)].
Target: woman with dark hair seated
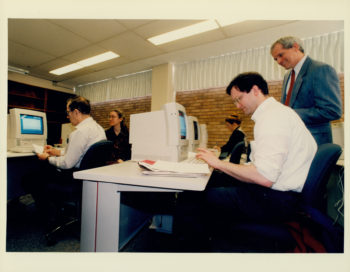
[(233, 123), (118, 133)]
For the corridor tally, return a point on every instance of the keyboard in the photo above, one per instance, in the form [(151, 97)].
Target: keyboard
[(193, 160)]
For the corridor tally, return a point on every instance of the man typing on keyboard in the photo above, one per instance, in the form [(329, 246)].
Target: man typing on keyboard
[(266, 189)]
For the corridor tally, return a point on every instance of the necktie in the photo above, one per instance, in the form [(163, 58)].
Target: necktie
[(292, 78)]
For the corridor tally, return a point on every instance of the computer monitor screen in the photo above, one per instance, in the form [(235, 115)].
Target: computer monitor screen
[(24, 128), (195, 127), (183, 130), (31, 124)]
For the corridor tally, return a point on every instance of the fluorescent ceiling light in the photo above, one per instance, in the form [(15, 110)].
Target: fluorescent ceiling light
[(184, 32), (66, 69), (228, 21), (17, 70), (84, 63)]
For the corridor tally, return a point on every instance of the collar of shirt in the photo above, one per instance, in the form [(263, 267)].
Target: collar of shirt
[(85, 121), (261, 108), (297, 67)]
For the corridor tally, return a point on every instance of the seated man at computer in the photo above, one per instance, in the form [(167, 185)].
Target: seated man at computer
[(266, 189), (53, 160)]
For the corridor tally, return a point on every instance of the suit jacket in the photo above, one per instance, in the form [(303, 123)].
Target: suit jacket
[(316, 98)]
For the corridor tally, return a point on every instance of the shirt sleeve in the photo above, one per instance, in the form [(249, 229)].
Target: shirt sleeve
[(73, 153), (269, 151)]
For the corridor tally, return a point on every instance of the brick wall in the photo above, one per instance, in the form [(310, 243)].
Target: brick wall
[(210, 106), (100, 111)]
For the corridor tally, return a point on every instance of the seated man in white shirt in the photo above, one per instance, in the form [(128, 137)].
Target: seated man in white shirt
[(58, 166), (282, 151)]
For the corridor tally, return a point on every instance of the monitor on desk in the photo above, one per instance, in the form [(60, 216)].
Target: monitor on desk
[(338, 135), (24, 128), (159, 135), (193, 134), (203, 136), (66, 130)]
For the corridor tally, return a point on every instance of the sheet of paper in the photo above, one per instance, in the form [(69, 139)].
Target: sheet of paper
[(181, 167), (38, 148)]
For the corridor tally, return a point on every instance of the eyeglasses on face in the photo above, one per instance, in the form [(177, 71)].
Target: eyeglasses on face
[(237, 99)]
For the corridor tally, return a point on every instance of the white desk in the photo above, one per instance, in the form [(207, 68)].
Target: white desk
[(101, 200), (19, 155)]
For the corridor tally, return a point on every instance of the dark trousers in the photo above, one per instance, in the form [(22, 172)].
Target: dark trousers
[(227, 201), (50, 187)]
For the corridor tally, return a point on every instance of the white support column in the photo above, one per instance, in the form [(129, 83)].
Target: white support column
[(162, 86)]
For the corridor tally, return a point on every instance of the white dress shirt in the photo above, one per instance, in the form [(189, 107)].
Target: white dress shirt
[(296, 69), (283, 148), (86, 134)]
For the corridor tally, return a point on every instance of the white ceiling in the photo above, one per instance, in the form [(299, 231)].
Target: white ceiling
[(41, 45)]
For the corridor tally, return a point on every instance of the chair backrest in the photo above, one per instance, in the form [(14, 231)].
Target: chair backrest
[(97, 155), (316, 183), (237, 152)]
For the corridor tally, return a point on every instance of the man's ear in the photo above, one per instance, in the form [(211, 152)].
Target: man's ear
[(255, 90), (296, 46)]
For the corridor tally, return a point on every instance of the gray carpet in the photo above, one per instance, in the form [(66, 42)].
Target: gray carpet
[(26, 233)]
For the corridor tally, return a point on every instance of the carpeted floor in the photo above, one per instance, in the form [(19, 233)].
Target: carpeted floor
[(25, 233)]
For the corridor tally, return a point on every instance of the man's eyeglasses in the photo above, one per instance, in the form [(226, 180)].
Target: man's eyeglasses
[(237, 100)]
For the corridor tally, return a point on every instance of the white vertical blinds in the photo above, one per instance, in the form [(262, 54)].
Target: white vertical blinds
[(217, 71), (129, 86)]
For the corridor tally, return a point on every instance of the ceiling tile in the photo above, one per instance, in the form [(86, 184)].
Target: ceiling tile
[(251, 26), (131, 24), (45, 36), (203, 38), (25, 57), (90, 29), (131, 46), (162, 26)]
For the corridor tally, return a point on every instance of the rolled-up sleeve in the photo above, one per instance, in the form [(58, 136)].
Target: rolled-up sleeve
[(74, 151), (269, 156)]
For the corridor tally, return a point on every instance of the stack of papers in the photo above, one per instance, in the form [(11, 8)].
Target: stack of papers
[(166, 168), (38, 149)]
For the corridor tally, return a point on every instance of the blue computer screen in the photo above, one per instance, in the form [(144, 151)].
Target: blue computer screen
[(31, 124), (182, 125), (195, 126)]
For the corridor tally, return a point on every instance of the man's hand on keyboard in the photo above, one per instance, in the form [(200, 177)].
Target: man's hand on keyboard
[(208, 156), (43, 156), (52, 151)]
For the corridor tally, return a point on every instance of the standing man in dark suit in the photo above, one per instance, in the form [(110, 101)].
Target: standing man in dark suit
[(310, 87)]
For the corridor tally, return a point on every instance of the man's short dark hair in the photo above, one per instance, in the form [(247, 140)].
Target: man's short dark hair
[(244, 83), (80, 103)]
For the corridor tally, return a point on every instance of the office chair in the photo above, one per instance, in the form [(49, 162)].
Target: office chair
[(237, 152), (70, 192), (276, 237)]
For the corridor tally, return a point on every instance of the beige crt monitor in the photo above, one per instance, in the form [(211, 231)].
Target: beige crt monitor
[(204, 136), (25, 128), (338, 136), (66, 129), (159, 135), (193, 133)]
